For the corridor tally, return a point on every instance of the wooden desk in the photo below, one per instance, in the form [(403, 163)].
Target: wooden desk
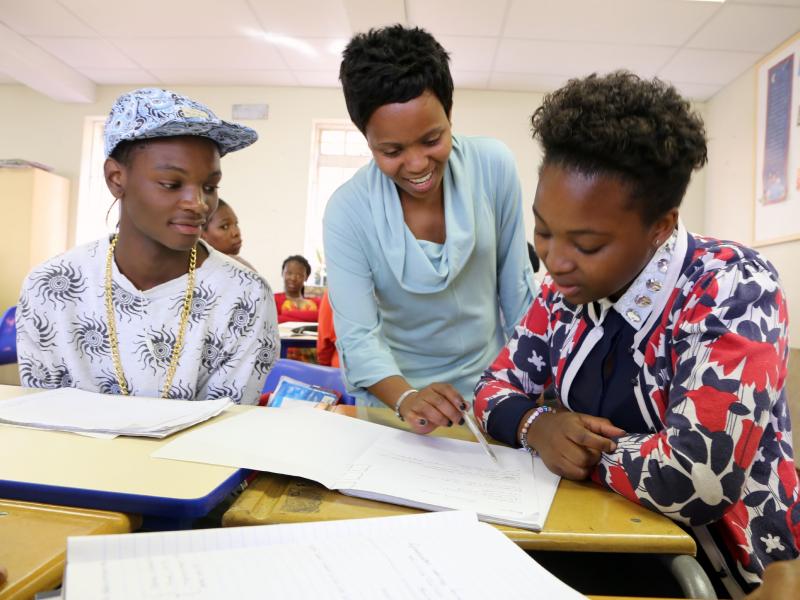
[(292, 340), (33, 542), (117, 474), (583, 518), (297, 341)]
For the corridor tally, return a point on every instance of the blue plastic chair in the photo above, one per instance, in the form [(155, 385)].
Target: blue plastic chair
[(326, 377), (8, 337)]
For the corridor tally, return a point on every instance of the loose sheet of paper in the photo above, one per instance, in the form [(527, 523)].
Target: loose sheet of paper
[(71, 409), (443, 555), (305, 442)]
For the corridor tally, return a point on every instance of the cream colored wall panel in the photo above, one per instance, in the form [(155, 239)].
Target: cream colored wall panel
[(49, 216), (35, 205), (16, 188)]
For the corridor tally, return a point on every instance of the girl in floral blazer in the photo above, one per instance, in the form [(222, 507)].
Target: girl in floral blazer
[(667, 351)]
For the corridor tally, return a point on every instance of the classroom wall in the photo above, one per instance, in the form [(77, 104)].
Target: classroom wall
[(268, 183), (728, 211)]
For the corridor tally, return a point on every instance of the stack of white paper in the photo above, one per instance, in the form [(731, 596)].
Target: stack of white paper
[(444, 555), (70, 409), (378, 462)]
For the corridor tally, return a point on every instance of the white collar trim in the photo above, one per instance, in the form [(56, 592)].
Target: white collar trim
[(649, 291)]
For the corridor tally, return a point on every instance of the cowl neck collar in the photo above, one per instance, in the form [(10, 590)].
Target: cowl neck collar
[(406, 258)]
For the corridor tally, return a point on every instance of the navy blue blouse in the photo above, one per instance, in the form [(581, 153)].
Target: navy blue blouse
[(604, 383)]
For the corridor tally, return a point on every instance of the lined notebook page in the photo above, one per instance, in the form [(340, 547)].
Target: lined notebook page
[(440, 472), (375, 461), (443, 555)]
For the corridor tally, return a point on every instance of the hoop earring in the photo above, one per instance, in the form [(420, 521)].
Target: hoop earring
[(108, 212)]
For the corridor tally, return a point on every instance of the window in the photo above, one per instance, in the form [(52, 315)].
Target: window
[(94, 199), (338, 151)]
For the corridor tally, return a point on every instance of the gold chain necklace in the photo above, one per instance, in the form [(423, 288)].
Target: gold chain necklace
[(112, 323)]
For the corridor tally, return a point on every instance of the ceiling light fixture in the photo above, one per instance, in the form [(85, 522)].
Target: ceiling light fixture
[(336, 47), (284, 41)]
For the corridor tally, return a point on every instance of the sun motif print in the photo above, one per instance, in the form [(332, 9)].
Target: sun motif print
[(231, 338)]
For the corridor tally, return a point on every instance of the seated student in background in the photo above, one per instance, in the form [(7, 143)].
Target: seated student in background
[(326, 336), (425, 246), (223, 233), (291, 303), (667, 350), (149, 311)]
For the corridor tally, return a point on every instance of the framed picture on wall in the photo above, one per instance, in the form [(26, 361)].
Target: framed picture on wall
[(776, 205)]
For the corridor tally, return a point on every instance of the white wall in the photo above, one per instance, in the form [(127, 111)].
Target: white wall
[(268, 183), (506, 116), (731, 124)]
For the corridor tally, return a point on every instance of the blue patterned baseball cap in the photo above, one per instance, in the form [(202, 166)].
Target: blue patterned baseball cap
[(152, 113)]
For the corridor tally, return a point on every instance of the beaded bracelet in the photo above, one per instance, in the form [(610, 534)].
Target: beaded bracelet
[(523, 434), (402, 397)]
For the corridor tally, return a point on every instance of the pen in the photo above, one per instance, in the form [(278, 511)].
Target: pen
[(473, 427)]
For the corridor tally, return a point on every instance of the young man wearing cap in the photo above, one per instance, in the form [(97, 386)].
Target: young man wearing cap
[(152, 310)]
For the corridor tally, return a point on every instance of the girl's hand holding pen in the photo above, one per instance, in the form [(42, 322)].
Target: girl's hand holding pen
[(570, 443)]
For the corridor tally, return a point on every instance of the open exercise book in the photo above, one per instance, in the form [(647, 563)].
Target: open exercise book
[(106, 415), (377, 462), (445, 556)]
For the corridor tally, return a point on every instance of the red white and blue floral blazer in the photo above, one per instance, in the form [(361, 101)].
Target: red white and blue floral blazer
[(711, 345)]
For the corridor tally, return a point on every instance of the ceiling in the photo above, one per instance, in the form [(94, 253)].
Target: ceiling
[(65, 48)]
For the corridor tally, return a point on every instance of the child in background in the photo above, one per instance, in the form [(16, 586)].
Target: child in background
[(291, 304), (223, 233), (149, 311), (667, 350)]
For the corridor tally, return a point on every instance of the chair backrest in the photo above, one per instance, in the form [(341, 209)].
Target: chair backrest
[(8, 337), (326, 377)]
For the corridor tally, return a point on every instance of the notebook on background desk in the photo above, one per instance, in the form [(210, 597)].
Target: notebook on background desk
[(377, 462), (297, 329)]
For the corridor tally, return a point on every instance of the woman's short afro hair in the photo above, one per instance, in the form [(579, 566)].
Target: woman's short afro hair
[(641, 131), (393, 64)]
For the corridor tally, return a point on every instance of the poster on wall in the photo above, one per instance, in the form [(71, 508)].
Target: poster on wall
[(777, 179)]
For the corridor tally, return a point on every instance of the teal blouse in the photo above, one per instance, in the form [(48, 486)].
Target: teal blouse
[(429, 312)]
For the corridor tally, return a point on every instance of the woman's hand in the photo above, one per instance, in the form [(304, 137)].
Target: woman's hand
[(570, 443), (436, 405)]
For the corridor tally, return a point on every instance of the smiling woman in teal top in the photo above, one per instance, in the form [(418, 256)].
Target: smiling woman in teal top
[(425, 247)]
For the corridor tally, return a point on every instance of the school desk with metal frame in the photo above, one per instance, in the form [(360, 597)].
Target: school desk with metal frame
[(583, 518), (33, 542), (294, 340), (110, 474)]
